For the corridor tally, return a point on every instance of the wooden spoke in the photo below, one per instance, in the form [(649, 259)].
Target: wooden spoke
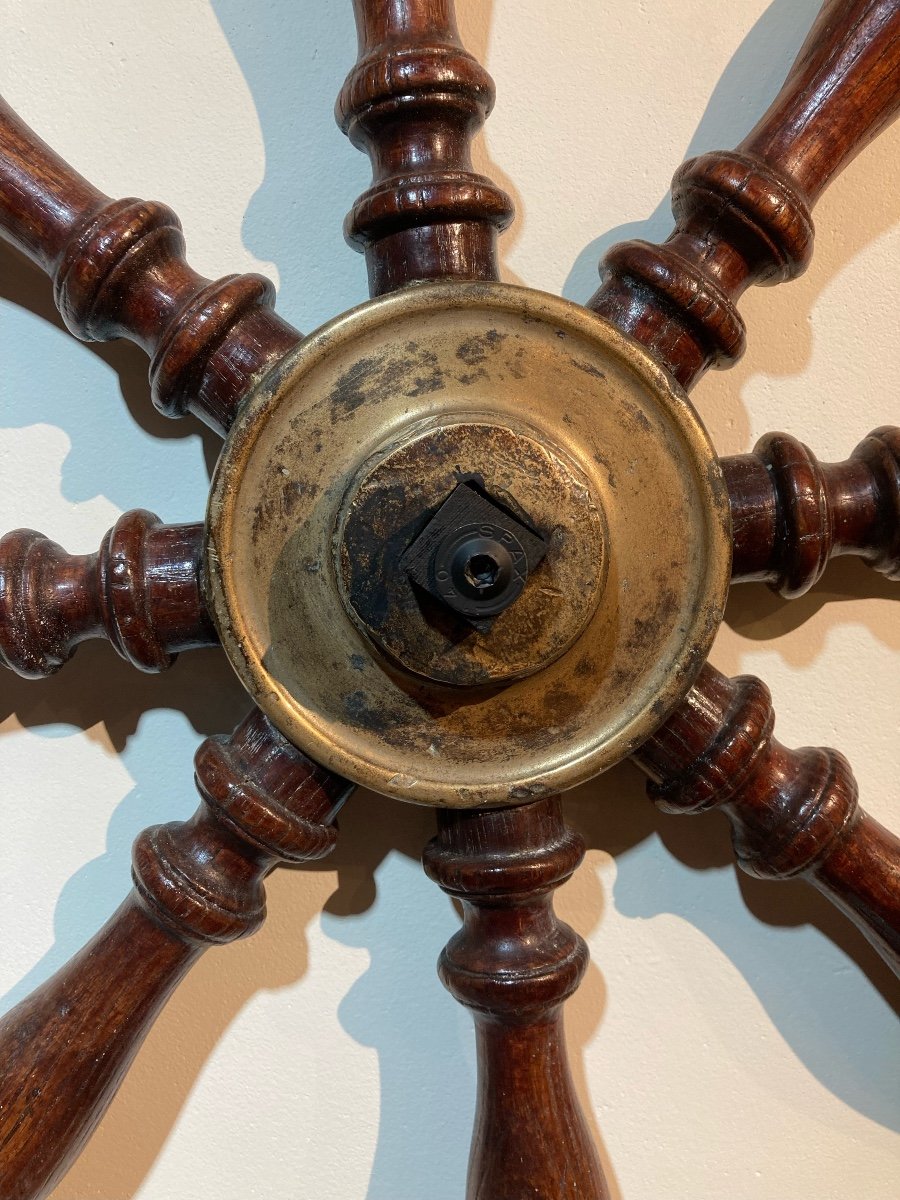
[(466, 548), (66, 1048), (514, 963), (118, 270), (743, 217), (141, 590), (791, 513), (793, 812), (413, 101)]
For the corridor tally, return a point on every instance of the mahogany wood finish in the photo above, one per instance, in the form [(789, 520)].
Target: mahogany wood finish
[(141, 590), (793, 812), (197, 883), (791, 513), (513, 964), (413, 101), (743, 216), (119, 270)]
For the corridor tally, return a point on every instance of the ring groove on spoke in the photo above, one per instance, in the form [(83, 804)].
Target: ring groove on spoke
[(743, 216), (791, 513), (413, 102), (66, 1048), (119, 271), (793, 812), (142, 591)]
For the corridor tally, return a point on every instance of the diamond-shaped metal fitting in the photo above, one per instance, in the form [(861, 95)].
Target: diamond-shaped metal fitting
[(474, 556)]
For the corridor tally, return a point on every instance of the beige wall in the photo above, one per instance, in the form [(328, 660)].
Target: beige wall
[(732, 1039)]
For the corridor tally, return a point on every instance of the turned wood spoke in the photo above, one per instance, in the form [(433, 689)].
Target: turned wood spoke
[(197, 883), (513, 964), (791, 513), (413, 101), (793, 812), (743, 216), (118, 270), (141, 590)]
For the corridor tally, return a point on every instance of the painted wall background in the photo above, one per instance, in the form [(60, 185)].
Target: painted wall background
[(732, 1038)]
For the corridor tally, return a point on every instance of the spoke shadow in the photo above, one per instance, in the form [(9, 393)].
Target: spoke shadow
[(27, 287), (422, 1086), (397, 1006), (295, 58), (742, 94), (102, 696), (96, 687), (807, 992), (69, 388), (121, 1154), (755, 611), (779, 336)]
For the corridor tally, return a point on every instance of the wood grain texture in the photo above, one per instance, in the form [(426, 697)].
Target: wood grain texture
[(65, 1049), (513, 964), (413, 102), (142, 591), (743, 216), (118, 270), (791, 513), (794, 813)]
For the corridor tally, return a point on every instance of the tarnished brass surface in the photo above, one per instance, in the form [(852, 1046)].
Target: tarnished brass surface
[(428, 366), (416, 473)]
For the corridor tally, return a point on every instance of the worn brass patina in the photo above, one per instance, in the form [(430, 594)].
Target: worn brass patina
[(411, 477), (359, 435)]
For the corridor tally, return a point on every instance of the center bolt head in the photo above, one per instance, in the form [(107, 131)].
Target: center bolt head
[(474, 555), (479, 570)]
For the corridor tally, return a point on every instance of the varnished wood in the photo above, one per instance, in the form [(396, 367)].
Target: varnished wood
[(794, 813), (142, 590), (118, 270), (791, 513), (413, 101), (65, 1049), (513, 964), (743, 216)]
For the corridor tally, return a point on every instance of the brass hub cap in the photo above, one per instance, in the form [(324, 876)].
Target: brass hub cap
[(468, 545)]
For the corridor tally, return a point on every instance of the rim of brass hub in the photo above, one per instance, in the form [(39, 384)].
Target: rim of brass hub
[(444, 354)]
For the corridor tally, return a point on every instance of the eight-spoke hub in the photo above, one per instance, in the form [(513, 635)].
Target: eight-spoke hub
[(468, 544)]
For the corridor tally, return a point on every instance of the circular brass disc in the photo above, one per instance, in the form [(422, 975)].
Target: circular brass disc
[(442, 355)]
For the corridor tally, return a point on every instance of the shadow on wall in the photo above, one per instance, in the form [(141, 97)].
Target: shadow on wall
[(294, 58), (752, 921), (121, 447), (743, 93), (779, 335)]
